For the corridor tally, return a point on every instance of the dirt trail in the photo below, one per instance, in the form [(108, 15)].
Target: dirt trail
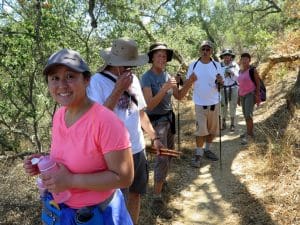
[(216, 193), (211, 195)]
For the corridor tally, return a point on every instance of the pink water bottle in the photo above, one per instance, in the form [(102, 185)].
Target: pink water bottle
[(48, 166)]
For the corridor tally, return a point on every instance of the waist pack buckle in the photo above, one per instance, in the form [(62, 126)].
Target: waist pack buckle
[(212, 107)]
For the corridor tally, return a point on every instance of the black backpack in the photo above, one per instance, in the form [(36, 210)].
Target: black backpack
[(262, 89)]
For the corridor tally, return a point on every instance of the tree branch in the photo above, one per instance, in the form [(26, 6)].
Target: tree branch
[(160, 6), (275, 6), (272, 5), (176, 54), (15, 33), (91, 13), (272, 60)]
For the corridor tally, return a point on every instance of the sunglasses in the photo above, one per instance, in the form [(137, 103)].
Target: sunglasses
[(205, 49)]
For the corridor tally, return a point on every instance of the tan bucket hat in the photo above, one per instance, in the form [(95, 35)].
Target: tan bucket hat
[(124, 52)]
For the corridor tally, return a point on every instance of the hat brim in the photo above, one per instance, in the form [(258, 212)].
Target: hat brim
[(170, 53), (206, 44), (114, 60), (227, 53), (72, 67)]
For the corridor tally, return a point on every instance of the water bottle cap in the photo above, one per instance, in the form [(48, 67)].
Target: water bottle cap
[(35, 161)]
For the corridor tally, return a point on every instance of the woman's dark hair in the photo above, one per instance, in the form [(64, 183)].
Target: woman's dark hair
[(87, 74), (246, 54)]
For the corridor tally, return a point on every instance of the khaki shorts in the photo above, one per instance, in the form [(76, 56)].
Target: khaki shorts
[(207, 120)]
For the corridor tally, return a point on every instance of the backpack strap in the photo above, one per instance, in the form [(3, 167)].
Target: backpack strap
[(262, 87), (195, 64), (108, 77), (251, 73), (133, 98), (214, 64)]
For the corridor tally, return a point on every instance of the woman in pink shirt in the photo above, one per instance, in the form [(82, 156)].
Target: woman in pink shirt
[(248, 94), (92, 149)]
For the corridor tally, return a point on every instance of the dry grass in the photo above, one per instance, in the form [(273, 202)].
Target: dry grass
[(279, 146)]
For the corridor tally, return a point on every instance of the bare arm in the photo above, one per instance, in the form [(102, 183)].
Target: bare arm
[(179, 94), (119, 174), (148, 128), (146, 125), (113, 99)]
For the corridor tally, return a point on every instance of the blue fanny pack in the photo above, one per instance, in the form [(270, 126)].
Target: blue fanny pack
[(110, 212), (53, 214)]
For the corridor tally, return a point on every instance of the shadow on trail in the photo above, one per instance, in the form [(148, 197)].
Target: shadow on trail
[(248, 208)]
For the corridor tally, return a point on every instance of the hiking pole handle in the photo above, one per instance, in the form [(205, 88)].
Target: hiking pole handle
[(219, 82), (179, 80)]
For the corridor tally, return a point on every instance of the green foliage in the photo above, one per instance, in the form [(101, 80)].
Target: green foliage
[(30, 31)]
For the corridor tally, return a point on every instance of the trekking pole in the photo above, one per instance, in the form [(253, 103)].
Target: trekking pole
[(178, 115), (220, 140)]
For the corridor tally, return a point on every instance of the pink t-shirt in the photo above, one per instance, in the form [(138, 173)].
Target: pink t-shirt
[(246, 85), (81, 147)]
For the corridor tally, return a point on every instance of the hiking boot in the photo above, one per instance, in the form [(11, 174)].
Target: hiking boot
[(210, 155), (160, 209), (243, 135), (247, 139), (244, 140), (196, 163), (232, 128)]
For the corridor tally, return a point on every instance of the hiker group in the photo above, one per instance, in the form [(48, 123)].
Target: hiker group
[(98, 140)]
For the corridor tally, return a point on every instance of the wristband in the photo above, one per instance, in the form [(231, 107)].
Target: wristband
[(156, 138)]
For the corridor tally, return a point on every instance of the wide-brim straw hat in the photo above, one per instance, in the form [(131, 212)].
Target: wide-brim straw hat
[(227, 52), (160, 46), (124, 52)]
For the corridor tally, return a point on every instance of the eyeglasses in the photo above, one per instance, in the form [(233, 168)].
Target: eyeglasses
[(205, 49)]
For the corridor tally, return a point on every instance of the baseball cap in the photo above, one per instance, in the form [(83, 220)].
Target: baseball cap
[(68, 58), (206, 43)]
